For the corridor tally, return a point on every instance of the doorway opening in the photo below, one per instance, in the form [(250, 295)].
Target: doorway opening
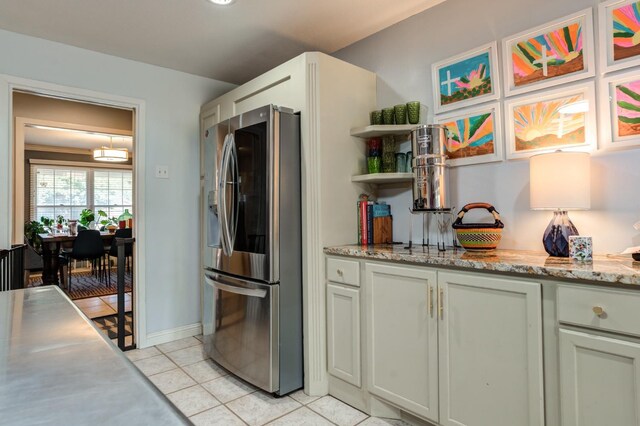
[(70, 204)]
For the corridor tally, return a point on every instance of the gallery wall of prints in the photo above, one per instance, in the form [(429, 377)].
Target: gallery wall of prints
[(534, 91)]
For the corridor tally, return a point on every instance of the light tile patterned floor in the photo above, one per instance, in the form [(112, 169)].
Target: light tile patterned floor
[(209, 396)]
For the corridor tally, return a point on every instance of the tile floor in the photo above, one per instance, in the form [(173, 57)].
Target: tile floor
[(94, 307), (208, 395)]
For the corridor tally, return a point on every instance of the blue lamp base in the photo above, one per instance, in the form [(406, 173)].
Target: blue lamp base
[(556, 236)]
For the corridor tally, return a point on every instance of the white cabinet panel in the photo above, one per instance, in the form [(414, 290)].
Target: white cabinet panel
[(343, 271), (402, 337), (490, 349), (605, 309), (599, 380), (343, 332)]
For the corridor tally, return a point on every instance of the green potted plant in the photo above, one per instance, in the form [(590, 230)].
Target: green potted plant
[(31, 231), (86, 217), (60, 221), (47, 222)]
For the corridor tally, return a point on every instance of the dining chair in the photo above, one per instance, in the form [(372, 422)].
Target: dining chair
[(88, 245), (113, 250)]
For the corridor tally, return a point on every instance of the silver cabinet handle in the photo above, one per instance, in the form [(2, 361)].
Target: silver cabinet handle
[(339, 272)]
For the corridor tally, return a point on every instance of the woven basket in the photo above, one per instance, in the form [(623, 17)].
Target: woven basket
[(478, 236)]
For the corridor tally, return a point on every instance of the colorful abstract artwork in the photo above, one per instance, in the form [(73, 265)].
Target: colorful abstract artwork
[(627, 98), (552, 54), (540, 125), (473, 137), (548, 55), (626, 31), (557, 119), (619, 26), (620, 110), (466, 79)]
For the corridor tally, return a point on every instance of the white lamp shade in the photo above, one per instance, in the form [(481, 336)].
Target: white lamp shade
[(111, 154), (560, 181)]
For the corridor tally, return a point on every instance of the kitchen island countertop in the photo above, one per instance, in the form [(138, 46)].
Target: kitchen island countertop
[(612, 270), (56, 368)]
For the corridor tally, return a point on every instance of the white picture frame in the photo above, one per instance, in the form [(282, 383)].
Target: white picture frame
[(496, 114), (464, 64), (607, 53), (541, 125), (529, 52), (612, 130)]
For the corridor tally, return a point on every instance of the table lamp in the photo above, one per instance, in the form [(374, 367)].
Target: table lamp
[(560, 181)]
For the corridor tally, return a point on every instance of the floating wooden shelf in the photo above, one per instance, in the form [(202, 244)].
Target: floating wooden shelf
[(379, 178), (383, 129)]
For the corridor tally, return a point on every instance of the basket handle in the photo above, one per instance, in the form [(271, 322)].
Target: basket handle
[(472, 206)]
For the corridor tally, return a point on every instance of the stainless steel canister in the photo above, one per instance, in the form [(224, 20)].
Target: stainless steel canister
[(430, 173), (428, 140)]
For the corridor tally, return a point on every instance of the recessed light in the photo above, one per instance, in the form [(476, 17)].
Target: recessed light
[(222, 2)]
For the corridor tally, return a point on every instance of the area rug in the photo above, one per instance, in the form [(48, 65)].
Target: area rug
[(84, 284), (109, 325)]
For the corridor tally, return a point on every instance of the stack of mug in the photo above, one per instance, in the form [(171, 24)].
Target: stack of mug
[(399, 114)]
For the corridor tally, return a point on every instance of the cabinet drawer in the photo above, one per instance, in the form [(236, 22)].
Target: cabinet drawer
[(343, 271), (619, 311)]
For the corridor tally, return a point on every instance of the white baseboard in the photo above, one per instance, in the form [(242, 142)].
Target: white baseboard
[(170, 335)]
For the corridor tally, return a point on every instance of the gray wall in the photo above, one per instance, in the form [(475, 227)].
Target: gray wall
[(402, 56), (171, 125)]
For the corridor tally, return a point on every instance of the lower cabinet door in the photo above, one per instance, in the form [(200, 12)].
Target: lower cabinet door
[(343, 333), (490, 350), (599, 380), (402, 337)]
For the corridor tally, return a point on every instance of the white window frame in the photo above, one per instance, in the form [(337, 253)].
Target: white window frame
[(90, 168)]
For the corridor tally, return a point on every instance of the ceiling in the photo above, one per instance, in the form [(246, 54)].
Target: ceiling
[(230, 43), (73, 139)]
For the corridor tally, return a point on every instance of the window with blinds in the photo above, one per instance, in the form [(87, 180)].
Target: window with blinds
[(66, 191)]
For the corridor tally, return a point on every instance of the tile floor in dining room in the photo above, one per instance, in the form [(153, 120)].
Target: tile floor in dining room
[(208, 395)]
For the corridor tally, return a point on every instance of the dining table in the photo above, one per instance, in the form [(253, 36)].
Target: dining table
[(51, 245)]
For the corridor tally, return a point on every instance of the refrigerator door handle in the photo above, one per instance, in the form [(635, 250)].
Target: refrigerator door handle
[(222, 197), (236, 191), (237, 290)]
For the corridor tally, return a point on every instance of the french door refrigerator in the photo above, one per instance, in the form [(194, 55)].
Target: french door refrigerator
[(252, 311)]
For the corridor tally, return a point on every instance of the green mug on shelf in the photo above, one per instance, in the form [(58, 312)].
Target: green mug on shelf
[(413, 111), (375, 117), (388, 115), (401, 113)]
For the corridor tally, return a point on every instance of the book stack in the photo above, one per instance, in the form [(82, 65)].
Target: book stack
[(374, 223)]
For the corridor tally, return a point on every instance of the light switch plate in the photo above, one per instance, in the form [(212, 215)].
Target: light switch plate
[(162, 172)]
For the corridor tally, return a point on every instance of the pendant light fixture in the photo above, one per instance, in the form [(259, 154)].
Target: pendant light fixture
[(111, 154)]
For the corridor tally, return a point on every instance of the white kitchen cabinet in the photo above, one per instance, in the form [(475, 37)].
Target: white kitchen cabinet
[(490, 351), (331, 96), (599, 380), (402, 337), (343, 333)]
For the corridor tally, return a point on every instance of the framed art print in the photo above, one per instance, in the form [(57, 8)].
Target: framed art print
[(620, 111), (555, 53), (563, 118), (466, 79), (619, 29), (474, 135)]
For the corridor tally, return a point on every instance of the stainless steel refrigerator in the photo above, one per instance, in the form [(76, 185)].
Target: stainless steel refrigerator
[(252, 311)]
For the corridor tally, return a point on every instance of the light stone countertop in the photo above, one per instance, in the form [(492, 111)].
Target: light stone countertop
[(614, 270), (56, 368)]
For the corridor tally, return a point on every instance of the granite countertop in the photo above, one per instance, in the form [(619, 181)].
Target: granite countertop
[(612, 269), (56, 368)]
